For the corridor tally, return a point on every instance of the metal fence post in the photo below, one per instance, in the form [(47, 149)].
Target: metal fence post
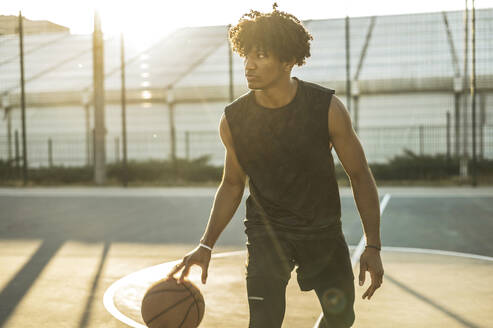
[(86, 104), (421, 140), (187, 144), (50, 152), (482, 123), (17, 156), (93, 160), (117, 150), (448, 135)]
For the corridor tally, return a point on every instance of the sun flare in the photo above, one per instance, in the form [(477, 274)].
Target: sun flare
[(141, 26)]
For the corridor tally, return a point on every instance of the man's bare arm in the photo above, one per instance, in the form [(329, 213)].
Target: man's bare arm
[(230, 192), (352, 157), (226, 202)]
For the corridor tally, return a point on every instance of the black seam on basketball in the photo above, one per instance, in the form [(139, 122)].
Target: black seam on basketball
[(165, 291), (196, 305), (167, 309), (177, 289), (186, 315)]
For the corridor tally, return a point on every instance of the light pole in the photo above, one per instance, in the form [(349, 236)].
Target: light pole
[(23, 103), (473, 96), (6, 108), (465, 157), (98, 87), (86, 102), (124, 111)]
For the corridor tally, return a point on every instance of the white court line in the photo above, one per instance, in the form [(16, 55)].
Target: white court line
[(108, 192), (359, 249), (437, 252), (108, 299), (63, 191)]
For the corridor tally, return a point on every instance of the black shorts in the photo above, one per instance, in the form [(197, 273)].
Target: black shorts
[(323, 264), (320, 261)]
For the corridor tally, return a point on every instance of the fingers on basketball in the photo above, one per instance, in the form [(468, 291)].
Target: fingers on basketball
[(185, 271), (175, 269), (205, 268)]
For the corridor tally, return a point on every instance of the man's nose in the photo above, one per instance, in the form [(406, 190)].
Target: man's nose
[(249, 64)]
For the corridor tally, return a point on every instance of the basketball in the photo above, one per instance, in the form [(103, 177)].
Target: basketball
[(167, 304)]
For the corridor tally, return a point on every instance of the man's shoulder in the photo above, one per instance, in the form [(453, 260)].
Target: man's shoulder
[(317, 88), (238, 102)]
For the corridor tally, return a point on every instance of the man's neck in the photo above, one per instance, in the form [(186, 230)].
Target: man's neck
[(277, 96)]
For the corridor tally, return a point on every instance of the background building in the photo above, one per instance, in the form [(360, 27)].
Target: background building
[(407, 72), (10, 24)]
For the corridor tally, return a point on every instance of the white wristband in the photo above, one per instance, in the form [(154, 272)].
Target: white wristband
[(205, 246)]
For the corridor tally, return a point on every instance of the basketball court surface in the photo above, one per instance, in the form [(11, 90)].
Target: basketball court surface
[(84, 257)]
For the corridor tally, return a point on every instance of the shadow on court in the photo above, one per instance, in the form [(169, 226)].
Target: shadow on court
[(56, 221), (98, 223), (17, 288), (457, 317)]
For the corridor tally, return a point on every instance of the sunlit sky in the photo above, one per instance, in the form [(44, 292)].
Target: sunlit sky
[(145, 16)]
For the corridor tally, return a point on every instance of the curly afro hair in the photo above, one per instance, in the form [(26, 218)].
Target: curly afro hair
[(277, 32)]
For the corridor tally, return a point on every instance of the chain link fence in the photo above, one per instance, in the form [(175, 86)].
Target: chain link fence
[(380, 145)]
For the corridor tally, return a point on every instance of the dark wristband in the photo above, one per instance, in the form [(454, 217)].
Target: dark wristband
[(372, 246)]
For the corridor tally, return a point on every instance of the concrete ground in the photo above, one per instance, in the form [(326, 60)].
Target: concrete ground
[(413, 294), (60, 250)]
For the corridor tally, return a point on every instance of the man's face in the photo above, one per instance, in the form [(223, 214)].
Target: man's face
[(262, 69)]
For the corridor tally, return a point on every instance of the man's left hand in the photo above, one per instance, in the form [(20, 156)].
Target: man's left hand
[(370, 261)]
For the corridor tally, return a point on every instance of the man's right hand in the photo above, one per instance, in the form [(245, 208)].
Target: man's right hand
[(199, 256)]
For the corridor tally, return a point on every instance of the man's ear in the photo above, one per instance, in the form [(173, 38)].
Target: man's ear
[(288, 66)]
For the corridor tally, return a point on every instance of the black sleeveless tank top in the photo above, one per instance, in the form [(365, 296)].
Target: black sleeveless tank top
[(285, 153)]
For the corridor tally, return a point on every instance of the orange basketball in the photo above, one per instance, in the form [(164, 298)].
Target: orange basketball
[(167, 304)]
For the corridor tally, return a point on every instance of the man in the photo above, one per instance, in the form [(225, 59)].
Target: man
[(280, 135)]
